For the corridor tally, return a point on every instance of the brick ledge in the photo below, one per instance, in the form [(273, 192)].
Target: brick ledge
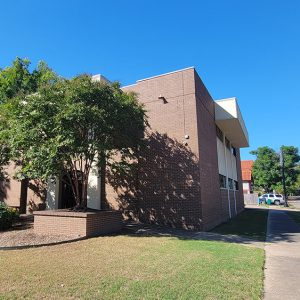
[(69, 213)]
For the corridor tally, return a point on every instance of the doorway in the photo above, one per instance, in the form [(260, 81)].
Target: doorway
[(67, 198)]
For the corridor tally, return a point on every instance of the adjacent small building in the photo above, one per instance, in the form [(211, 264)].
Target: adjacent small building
[(188, 175), (247, 176)]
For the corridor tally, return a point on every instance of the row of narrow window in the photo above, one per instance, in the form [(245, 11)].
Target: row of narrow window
[(232, 184), (220, 136)]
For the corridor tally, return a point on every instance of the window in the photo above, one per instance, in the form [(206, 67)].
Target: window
[(227, 143), (278, 196), (222, 179), (230, 183), (236, 185), (219, 134), (233, 151), (271, 196)]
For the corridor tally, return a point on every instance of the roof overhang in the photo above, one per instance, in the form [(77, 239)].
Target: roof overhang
[(229, 119)]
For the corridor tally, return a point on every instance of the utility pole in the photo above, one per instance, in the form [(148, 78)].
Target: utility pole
[(283, 175)]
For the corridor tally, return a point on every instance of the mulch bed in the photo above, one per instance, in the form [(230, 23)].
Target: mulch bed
[(22, 235)]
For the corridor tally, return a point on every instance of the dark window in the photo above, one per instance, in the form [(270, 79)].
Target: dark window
[(271, 196), (278, 196), (227, 143), (219, 134), (236, 185), (230, 183), (233, 151), (222, 179)]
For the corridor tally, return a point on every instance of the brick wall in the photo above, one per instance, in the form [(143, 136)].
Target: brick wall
[(58, 224), (10, 189), (224, 205), (208, 160), (77, 223), (177, 182), (104, 222), (233, 202), (166, 189)]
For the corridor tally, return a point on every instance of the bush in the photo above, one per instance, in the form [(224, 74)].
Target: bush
[(7, 216)]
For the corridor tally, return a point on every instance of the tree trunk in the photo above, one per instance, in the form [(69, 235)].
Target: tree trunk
[(104, 204), (84, 190)]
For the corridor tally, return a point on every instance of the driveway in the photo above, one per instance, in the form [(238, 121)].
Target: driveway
[(282, 268)]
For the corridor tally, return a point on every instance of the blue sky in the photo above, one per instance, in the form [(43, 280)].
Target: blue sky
[(247, 49)]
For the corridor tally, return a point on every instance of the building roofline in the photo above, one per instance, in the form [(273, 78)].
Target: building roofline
[(128, 85), (164, 74), (226, 99)]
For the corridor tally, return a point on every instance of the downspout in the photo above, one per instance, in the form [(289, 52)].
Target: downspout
[(234, 194), (227, 186), (234, 190)]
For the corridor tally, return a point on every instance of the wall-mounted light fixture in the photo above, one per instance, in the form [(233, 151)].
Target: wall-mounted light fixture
[(160, 97)]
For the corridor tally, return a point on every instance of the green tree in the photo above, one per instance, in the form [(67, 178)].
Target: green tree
[(291, 171), (68, 126), (296, 187), (267, 173), (17, 81)]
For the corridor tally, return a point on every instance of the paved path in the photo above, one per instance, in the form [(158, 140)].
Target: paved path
[(282, 268)]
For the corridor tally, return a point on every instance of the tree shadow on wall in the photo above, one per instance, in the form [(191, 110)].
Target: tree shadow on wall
[(38, 195), (4, 187), (163, 187)]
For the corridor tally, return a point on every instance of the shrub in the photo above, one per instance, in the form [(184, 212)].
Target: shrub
[(7, 216)]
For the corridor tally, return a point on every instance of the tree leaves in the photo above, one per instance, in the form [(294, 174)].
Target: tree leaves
[(16, 84), (65, 125), (267, 173)]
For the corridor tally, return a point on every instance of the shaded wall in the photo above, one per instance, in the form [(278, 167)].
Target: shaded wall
[(176, 179), (165, 188), (209, 174), (10, 189), (25, 195)]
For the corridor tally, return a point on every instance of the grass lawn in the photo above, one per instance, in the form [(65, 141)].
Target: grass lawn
[(125, 267), (295, 215), (251, 223)]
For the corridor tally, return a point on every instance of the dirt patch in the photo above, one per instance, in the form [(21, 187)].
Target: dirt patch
[(27, 237)]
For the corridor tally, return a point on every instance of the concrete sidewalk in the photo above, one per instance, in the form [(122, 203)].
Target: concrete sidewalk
[(282, 268)]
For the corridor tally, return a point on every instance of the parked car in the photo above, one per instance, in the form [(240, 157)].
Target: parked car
[(276, 199)]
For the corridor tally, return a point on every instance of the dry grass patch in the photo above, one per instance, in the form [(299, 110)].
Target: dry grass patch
[(124, 267)]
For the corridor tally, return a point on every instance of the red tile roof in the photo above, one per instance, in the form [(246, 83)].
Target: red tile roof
[(246, 169)]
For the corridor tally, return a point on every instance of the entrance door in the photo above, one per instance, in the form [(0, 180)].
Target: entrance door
[(67, 195)]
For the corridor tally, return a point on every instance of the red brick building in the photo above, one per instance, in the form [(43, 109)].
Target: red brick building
[(247, 176), (189, 172)]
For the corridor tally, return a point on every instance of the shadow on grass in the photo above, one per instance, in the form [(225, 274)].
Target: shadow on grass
[(143, 230), (251, 223)]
